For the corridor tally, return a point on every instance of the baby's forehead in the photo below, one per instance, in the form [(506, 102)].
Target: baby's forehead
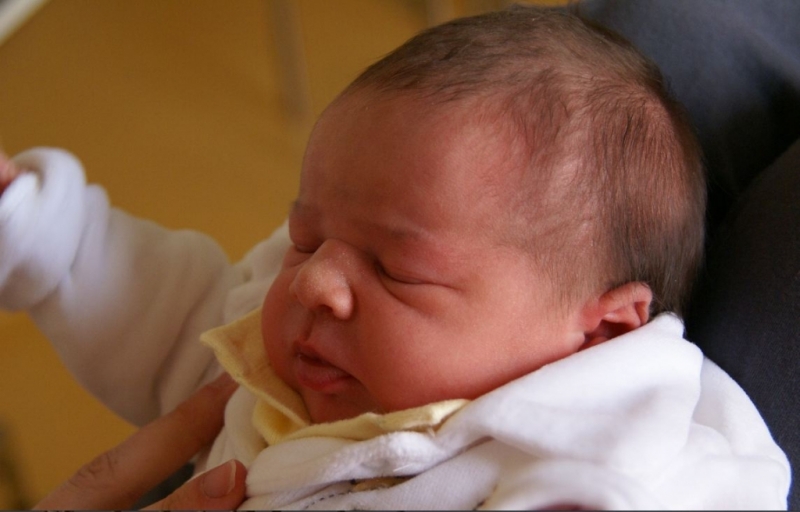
[(512, 168), (474, 122), (464, 140)]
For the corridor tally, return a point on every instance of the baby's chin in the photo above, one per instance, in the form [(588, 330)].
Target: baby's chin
[(330, 408)]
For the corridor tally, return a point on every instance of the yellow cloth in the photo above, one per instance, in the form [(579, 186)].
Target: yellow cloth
[(280, 414)]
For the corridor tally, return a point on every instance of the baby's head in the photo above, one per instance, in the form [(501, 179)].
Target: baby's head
[(498, 193)]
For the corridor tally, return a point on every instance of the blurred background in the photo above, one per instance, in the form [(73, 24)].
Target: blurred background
[(193, 113)]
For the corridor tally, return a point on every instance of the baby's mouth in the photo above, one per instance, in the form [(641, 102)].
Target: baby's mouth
[(316, 373)]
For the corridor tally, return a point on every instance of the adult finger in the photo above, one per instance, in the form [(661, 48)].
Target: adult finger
[(221, 488), (117, 478)]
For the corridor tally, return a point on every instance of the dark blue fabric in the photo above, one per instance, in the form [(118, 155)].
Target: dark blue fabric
[(746, 313), (735, 65)]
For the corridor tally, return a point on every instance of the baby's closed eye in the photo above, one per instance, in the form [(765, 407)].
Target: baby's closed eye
[(397, 276), (305, 249)]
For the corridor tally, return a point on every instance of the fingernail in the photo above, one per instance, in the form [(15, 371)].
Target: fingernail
[(220, 481)]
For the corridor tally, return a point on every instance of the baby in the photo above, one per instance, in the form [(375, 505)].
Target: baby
[(477, 305)]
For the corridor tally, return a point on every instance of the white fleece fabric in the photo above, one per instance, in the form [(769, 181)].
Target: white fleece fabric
[(641, 421), (122, 300)]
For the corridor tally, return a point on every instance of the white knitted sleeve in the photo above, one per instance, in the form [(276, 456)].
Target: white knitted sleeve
[(122, 300)]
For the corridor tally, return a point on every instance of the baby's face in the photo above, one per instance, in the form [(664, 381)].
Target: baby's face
[(398, 290)]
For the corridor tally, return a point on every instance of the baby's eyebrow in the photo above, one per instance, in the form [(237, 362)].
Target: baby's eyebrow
[(396, 231), (404, 236), (402, 233)]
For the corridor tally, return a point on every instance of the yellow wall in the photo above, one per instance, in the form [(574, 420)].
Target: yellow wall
[(176, 108)]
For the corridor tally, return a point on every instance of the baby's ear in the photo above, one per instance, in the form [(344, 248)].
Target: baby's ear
[(616, 312)]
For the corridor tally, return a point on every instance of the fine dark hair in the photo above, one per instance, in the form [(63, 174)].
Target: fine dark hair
[(612, 187)]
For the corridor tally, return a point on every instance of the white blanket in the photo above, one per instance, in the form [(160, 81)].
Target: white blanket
[(640, 422)]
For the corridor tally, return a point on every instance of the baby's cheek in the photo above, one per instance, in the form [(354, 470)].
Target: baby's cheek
[(274, 315)]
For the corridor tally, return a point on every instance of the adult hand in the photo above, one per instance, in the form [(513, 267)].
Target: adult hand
[(119, 477)]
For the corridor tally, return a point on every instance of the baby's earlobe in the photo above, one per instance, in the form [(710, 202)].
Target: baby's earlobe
[(617, 312)]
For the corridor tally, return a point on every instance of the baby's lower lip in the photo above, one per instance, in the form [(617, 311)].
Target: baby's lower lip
[(319, 375)]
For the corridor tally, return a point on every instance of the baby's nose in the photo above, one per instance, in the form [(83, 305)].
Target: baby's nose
[(323, 281)]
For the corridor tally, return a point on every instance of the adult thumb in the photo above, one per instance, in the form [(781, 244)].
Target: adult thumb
[(219, 488)]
